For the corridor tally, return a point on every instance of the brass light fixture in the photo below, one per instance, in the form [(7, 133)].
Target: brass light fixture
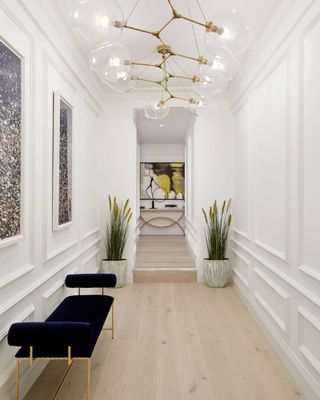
[(101, 23)]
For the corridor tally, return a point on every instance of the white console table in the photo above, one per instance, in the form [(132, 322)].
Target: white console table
[(162, 221)]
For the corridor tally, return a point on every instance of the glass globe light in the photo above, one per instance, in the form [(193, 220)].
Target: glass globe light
[(223, 66), (98, 21), (209, 89), (156, 110), (196, 104), (111, 62), (233, 34), (121, 85)]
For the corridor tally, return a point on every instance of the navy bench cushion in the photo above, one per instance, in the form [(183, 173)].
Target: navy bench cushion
[(57, 333), (91, 280), (88, 308)]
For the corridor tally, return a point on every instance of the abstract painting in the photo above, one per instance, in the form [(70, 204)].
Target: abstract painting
[(161, 181), (10, 143), (62, 191)]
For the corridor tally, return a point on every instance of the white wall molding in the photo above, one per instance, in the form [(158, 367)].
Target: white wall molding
[(16, 274), (27, 290), (92, 255), (48, 294), (305, 315), (238, 273), (296, 367), (27, 314), (310, 272), (307, 269), (283, 323), (283, 275)]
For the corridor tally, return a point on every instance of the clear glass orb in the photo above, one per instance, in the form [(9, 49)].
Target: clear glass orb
[(197, 104), (111, 62), (156, 110), (206, 90), (121, 85), (222, 66), (233, 34), (98, 21)]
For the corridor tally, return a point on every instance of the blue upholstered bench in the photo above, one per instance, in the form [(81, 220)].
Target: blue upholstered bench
[(71, 331)]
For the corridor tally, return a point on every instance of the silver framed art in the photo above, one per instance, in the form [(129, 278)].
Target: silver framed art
[(62, 162), (11, 157)]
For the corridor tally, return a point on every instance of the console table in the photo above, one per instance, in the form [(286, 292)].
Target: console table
[(162, 221)]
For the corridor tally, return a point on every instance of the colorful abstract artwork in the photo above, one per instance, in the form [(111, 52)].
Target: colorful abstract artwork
[(62, 191), (161, 181), (10, 143)]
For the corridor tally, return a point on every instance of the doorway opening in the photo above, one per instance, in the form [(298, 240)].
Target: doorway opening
[(164, 196)]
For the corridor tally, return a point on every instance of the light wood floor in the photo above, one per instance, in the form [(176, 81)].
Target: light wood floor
[(177, 341)]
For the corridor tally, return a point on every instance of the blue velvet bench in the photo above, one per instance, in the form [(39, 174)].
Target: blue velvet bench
[(71, 330)]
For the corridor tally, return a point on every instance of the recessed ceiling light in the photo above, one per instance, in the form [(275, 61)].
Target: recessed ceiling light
[(161, 125)]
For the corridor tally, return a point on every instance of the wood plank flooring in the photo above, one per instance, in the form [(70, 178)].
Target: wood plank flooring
[(176, 341)]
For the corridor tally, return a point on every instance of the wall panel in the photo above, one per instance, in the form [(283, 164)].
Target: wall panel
[(33, 267)]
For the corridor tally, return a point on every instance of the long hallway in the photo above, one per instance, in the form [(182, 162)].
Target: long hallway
[(176, 341)]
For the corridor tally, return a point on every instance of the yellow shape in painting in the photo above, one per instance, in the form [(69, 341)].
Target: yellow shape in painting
[(178, 182), (164, 182)]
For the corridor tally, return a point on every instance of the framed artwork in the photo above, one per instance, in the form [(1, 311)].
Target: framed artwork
[(10, 143), (162, 181), (62, 162)]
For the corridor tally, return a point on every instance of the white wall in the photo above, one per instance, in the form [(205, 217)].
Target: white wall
[(277, 196), (118, 165), (33, 269), (213, 170)]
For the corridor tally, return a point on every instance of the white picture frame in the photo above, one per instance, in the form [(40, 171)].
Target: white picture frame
[(62, 190)]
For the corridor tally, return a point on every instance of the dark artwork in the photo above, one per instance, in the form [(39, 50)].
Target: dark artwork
[(10, 143), (161, 181), (65, 164)]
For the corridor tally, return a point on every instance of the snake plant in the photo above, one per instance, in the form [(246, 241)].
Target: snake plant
[(117, 229), (217, 229)]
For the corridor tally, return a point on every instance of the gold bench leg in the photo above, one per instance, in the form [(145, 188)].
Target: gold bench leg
[(89, 380), (17, 378), (112, 329)]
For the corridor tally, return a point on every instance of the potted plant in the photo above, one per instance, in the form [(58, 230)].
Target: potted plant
[(116, 238), (217, 268)]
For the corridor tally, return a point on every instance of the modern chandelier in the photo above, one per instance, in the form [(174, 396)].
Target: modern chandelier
[(227, 38)]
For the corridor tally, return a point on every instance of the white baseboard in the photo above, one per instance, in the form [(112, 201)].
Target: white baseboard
[(309, 388)]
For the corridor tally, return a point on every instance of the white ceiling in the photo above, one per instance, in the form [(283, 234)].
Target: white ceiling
[(174, 127), (153, 14)]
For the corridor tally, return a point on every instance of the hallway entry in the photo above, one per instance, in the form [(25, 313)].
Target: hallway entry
[(164, 258)]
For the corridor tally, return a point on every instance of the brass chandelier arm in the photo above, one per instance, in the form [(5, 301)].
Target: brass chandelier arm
[(144, 64), (165, 25), (133, 28), (136, 78), (191, 78)]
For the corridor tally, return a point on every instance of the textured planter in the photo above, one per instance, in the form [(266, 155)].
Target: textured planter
[(217, 273), (119, 268)]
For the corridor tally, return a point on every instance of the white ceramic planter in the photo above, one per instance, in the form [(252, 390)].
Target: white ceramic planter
[(119, 268), (217, 273)]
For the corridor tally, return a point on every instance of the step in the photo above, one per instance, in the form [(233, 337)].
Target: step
[(144, 275), (165, 264)]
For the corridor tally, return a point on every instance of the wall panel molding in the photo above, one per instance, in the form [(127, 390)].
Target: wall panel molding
[(305, 315), (15, 275), (283, 275), (282, 57), (307, 269), (26, 291), (236, 271), (27, 314), (283, 323)]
